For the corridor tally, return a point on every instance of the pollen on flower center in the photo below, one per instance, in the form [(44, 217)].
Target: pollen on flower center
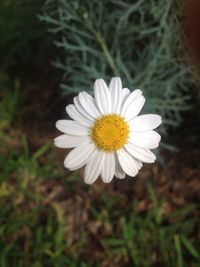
[(110, 132)]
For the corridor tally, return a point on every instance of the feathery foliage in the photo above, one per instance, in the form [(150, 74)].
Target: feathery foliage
[(136, 40)]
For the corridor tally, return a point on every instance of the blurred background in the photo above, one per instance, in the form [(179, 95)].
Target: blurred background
[(49, 51)]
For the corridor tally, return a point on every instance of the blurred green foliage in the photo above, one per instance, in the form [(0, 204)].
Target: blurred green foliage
[(137, 40), (23, 39), (10, 100), (154, 236), (33, 221)]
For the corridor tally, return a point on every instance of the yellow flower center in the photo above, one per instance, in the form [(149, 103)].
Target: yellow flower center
[(110, 132)]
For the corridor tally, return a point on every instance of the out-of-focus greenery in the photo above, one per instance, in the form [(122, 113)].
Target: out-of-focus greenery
[(23, 39), (10, 100), (136, 40), (33, 228), (48, 220)]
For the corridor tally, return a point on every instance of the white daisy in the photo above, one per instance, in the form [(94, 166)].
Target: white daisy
[(107, 134)]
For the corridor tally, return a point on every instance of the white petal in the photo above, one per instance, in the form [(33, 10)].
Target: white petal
[(108, 167), (125, 94), (127, 163), (79, 156), (134, 108), (115, 87), (147, 139), (141, 154), (134, 95), (77, 116), (94, 166), (91, 98), (119, 173), (88, 105), (71, 127), (81, 109), (68, 141), (145, 122), (102, 96), (139, 164)]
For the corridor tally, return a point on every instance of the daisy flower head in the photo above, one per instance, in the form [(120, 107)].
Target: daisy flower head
[(107, 134)]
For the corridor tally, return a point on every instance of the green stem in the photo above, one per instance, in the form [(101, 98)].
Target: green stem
[(107, 53), (104, 47)]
